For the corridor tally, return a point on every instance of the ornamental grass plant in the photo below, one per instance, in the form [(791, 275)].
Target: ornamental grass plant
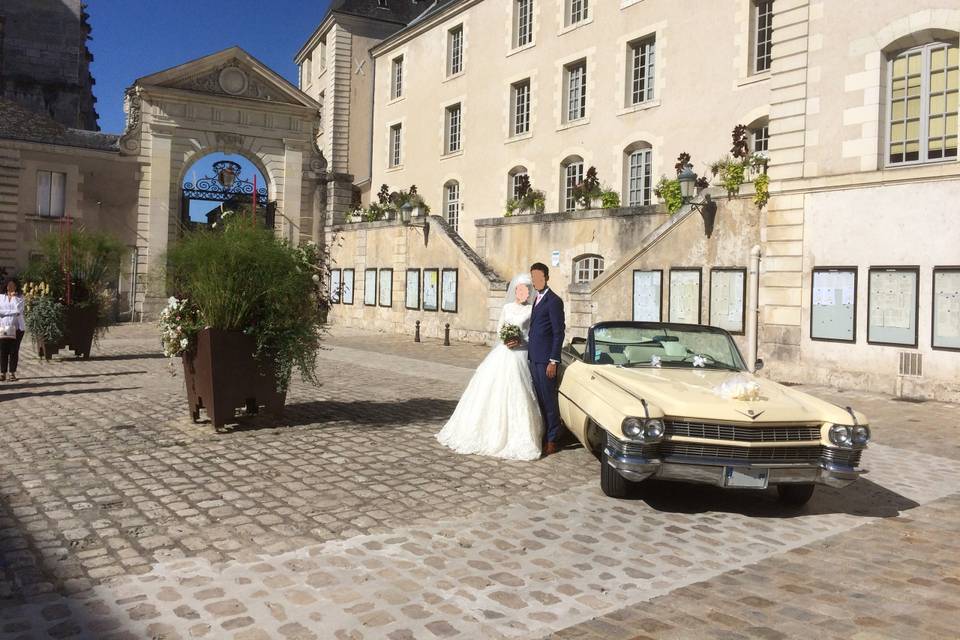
[(243, 278)]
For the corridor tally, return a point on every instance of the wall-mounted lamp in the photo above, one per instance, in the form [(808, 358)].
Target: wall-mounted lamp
[(707, 207)]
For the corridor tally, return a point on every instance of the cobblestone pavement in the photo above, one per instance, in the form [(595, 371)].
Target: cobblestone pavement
[(120, 518)]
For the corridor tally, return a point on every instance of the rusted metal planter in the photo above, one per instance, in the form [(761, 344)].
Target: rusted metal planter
[(80, 325), (222, 375)]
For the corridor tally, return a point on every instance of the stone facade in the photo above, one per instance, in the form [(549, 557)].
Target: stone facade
[(45, 62)]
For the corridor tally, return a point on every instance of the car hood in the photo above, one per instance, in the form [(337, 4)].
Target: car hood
[(697, 393)]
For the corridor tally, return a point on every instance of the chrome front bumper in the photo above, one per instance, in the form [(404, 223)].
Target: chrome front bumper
[(711, 470)]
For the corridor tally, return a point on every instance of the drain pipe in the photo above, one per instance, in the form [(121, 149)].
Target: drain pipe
[(753, 307)]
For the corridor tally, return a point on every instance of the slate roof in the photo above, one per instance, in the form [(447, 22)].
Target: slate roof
[(399, 11), (19, 123)]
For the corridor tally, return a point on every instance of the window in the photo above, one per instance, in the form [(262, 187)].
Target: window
[(323, 54), (51, 193), (923, 104), (587, 268), (520, 100), (451, 203), (396, 79), (455, 51), (576, 85), (577, 11), (762, 34), (760, 138), (395, 134), (453, 129), (641, 71), (639, 177), (308, 71), (518, 178), (572, 176), (522, 22)]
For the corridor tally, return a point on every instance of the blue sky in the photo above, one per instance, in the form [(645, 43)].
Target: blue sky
[(134, 38)]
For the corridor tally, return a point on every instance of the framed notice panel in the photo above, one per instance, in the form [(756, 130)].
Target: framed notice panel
[(412, 297), (386, 287), (431, 289), (893, 306), (684, 304), (448, 298), (346, 293), (647, 287), (728, 290), (370, 287), (946, 308), (336, 285), (833, 304)]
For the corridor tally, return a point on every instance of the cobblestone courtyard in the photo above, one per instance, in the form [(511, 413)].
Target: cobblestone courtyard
[(120, 518)]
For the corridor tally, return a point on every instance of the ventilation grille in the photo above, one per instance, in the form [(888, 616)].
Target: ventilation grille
[(911, 364)]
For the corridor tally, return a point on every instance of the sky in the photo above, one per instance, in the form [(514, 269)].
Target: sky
[(135, 38)]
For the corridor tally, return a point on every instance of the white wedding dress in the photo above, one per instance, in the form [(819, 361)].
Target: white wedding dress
[(498, 413)]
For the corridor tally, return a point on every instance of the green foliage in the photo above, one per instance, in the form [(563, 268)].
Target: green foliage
[(762, 187), (511, 206), (94, 259), (732, 173), (532, 201), (246, 279), (669, 191), (609, 199), (741, 146), (588, 190), (44, 318)]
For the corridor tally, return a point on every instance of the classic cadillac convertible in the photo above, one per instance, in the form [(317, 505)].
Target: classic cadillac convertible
[(675, 402)]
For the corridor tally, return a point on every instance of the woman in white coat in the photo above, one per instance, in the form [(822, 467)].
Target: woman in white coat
[(11, 329)]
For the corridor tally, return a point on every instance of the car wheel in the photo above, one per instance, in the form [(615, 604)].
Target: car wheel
[(612, 483), (795, 495)]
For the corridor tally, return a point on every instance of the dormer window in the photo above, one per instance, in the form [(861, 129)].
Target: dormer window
[(382, 4)]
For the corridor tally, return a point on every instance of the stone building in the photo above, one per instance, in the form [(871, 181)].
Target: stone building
[(45, 62)]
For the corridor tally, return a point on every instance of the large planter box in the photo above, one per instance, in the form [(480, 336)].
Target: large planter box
[(222, 375), (80, 324)]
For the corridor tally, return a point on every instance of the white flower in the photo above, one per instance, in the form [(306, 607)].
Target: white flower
[(183, 343), (654, 361), (316, 278), (171, 301), (699, 361)]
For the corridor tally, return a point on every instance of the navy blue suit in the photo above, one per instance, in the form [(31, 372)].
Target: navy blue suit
[(547, 329)]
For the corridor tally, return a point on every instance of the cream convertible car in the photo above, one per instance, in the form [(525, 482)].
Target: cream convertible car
[(675, 402)]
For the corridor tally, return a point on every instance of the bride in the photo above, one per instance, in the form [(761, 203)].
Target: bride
[(498, 414)]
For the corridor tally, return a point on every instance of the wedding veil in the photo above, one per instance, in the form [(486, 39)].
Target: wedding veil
[(519, 279)]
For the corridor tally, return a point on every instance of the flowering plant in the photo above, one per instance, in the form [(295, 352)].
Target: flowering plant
[(509, 333), (179, 323)]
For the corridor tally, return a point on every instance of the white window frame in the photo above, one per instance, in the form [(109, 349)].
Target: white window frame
[(576, 11), (522, 23), (453, 126), (640, 177), (51, 194), (455, 50), (395, 151), (572, 176), (760, 139), (515, 183), (761, 37), (587, 268), (451, 203), (396, 78), (926, 96), (575, 84), (520, 107), (642, 82)]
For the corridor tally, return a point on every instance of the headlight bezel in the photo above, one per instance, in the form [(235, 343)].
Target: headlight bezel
[(645, 430), (849, 436)]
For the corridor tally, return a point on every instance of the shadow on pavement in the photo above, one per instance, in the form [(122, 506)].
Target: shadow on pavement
[(862, 498), (41, 394), (121, 356)]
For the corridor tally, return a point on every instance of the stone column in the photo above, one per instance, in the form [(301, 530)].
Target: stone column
[(154, 215), (292, 191)]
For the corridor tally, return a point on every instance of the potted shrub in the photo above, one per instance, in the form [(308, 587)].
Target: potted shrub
[(246, 312), (589, 190), (68, 280)]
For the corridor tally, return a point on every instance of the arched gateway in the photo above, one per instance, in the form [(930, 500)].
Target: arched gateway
[(230, 103)]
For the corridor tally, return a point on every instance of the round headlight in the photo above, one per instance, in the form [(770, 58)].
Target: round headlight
[(861, 435), (653, 430), (632, 427), (841, 435)]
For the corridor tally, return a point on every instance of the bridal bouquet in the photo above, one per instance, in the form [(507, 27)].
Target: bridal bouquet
[(509, 333)]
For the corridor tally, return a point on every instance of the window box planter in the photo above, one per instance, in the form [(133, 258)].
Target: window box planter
[(221, 374)]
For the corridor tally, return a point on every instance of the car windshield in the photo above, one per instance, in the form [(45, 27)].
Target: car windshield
[(662, 346)]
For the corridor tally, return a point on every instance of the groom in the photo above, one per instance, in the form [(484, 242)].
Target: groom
[(543, 351)]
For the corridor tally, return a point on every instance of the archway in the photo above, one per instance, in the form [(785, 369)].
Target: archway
[(220, 182)]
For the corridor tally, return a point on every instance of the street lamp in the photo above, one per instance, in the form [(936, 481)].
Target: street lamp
[(406, 212), (707, 207)]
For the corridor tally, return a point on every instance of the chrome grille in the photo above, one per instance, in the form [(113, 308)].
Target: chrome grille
[(765, 454), (848, 457), (743, 433), (633, 448)]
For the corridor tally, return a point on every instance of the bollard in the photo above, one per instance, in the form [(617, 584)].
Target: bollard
[(446, 335), (416, 336)]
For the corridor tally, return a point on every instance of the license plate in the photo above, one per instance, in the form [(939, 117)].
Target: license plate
[(745, 477)]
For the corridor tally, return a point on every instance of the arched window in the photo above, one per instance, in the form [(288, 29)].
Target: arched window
[(451, 203), (638, 174), (514, 181), (587, 267), (922, 103), (571, 174), (759, 131)]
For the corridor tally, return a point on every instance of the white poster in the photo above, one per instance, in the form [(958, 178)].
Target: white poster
[(430, 283), (726, 299), (448, 300), (646, 295), (347, 292), (370, 287), (335, 285), (832, 316), (685, 296), (413, 289), (386, 287), (946, 308), (893, 306)]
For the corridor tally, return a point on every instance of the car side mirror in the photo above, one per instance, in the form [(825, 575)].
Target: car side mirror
[(758, 364)]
